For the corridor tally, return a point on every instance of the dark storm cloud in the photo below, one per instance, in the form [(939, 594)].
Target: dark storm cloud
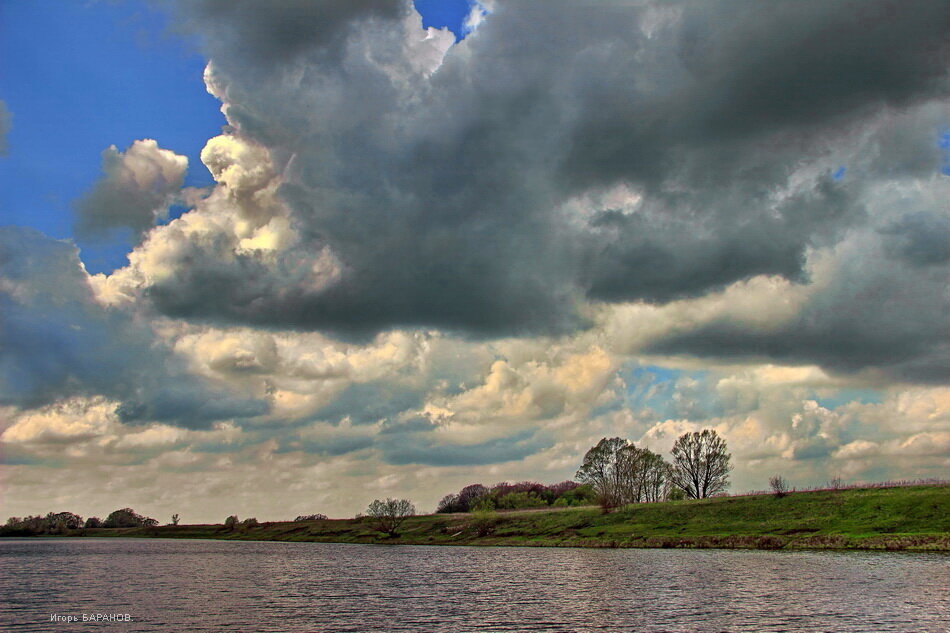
[(742, 70), (878, 313), (479, 199), (921, 238), (275, 33), (56, 341)]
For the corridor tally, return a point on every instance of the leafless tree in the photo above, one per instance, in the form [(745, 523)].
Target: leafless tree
[(175, 519), (388, 515), (700, 464), (779, 485)]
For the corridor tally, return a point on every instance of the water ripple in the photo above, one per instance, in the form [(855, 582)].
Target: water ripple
[(178, 585)]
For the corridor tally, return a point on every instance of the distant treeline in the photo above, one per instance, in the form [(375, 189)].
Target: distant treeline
[(525, 494), (64, 522)]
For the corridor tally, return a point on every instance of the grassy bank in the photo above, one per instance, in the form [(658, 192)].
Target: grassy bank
[(912, 518)]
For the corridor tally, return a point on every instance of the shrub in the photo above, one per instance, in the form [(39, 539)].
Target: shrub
[(676, 494), (484, 522), (779, 485), (388, 515)]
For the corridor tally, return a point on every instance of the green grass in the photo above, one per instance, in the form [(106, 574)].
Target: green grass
[(909, 518)]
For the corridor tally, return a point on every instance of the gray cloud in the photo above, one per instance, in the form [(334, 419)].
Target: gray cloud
[(486, 197), (136, 188), (287, 30), (368, 403), (427, 452), (876, 313), (56, 341), (921, 238)]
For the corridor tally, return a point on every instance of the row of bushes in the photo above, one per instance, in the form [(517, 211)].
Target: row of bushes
[(521, 495)]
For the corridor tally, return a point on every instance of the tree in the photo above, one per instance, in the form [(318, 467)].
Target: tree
[(175, 519), (311, 517), (700, 464), (93, 522), (779, 485), (231, 522), (448, 503), (388, 515), (62, 521), (127, 517), (655, 477), (621, 472), (602, 469)]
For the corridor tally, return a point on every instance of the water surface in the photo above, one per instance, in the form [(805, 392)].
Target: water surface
[(181, 585)]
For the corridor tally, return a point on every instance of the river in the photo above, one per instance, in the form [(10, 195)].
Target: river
[(201, 585)]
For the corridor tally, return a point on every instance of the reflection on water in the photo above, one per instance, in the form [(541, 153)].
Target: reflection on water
[(178, 585)]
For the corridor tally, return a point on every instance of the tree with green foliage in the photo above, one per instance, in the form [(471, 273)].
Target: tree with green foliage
[(621, 472), (701, 464), (127, 517), (388, 515), (604, 470)]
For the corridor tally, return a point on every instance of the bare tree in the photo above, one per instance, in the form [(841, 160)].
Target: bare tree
[(655, 477), (700, 464), (779, 485), (175, 519), (388, 515), (835, 483)]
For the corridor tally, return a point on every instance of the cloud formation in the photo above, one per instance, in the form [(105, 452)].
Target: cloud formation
[(425, 263), (605, 154), (135, 191), (58, 341)]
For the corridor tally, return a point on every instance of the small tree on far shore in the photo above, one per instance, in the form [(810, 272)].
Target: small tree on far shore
[(175, 519), (779, 485), (231, 522), (388, 515)]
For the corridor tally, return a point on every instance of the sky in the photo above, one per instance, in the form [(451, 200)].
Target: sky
[(287, 260)]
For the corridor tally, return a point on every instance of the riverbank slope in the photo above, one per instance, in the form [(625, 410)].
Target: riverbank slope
[(908, 518)]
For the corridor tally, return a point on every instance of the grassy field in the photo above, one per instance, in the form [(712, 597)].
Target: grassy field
[(911, 518)]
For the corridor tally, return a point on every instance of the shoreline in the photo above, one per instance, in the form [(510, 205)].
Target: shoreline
[(915, 518), (917, 543)]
